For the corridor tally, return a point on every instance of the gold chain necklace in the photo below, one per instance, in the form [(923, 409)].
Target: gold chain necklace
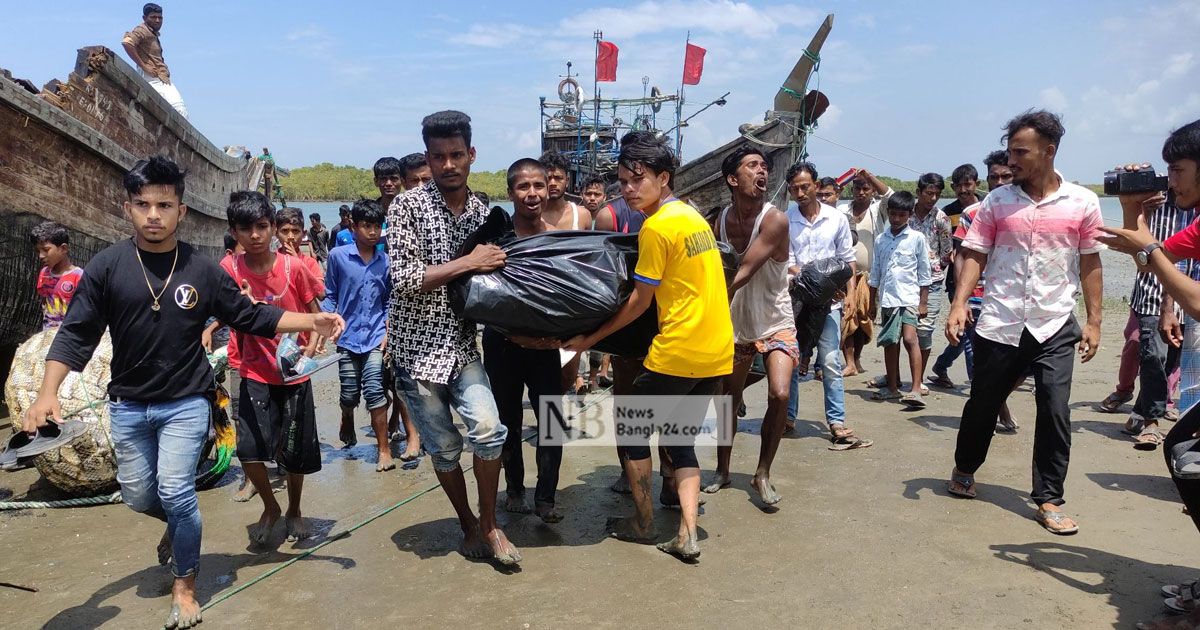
[(154, 306)]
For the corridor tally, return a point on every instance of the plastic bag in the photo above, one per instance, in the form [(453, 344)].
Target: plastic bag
[(812, 293)]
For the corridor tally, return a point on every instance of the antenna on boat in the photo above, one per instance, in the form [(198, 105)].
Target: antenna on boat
[(598, 35)]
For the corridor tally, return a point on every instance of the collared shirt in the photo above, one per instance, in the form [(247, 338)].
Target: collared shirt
[(1165, 222), (960, 232), (149, 48), (358, 291), (936, 228), (1033, 250), (900, 267), (828, 236), (428, 339)]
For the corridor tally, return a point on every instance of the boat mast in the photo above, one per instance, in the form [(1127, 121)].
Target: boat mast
[(679, 110), (594, 140)]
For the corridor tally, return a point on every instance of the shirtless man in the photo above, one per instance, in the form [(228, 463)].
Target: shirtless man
[(761, 307), (562, 214)]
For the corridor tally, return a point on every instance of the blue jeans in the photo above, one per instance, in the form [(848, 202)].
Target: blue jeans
[(361, 373), (951, 353), (829, 352), (157, 446), (470, 392)]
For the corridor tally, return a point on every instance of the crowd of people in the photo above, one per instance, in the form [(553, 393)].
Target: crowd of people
[(1007, 268)]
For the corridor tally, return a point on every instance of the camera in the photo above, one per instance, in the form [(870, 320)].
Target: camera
[(1122, 182)]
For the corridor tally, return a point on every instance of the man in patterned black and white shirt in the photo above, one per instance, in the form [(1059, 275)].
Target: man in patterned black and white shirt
[(436, 359)]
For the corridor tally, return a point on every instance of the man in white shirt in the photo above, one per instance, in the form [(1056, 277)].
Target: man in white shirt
[(819, 231)]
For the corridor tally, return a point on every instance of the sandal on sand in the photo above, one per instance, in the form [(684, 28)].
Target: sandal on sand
[(940, 380), (1148, 440), (1134, 425), (1053, 522), (966, 482), (1112, 403), (885, 394), (1171, 414), (1184, 603), (849, 443), (878, 382), (1187, 589), (913, 402)]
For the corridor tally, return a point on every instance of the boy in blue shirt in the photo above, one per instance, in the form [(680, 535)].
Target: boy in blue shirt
[(357, 286)]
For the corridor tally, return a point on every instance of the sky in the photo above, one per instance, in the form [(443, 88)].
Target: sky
[(918, 88)]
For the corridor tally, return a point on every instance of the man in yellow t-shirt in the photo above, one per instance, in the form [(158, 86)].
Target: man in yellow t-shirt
[(679, 265)]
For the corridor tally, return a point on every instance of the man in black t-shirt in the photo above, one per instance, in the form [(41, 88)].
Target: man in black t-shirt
[(155, 294)]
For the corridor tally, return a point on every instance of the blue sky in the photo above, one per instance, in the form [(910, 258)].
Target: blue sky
[(927, 88)]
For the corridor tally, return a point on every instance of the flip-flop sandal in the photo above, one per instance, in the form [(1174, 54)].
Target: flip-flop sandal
[(924, 391), (877, 382), (884, 394), (941, 381), (1182, 604), (1187, 589), (966, 481), (849, 444), (1044, 519), (49, 436), (1112, 403), (1148, 440), (1134, 425), (914, 403), (1171, 414)]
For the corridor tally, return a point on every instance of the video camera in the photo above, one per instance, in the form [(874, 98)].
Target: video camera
[(1122, 182)]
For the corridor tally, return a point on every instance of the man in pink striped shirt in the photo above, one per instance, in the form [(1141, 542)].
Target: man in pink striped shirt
[(1037, 239)]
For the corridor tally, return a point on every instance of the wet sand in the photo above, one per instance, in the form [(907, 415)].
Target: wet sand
[(862, 539)]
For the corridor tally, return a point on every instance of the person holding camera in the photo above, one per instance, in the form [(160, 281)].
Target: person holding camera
[(1037, 240)]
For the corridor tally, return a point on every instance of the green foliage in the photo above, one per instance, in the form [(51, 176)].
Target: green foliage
[(326, 182)]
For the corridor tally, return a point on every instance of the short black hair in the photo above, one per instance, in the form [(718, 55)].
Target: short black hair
[(149, 8), (314, 217), (412, 162), (446, 124), (730, 164), (931, 179), (644, 150), (962, 173), (1044, 123), (230, 241), (50, 232), (1183, 144), (248, 207), (555, 160), (997, 157), (367, 210), (800, 166), (594, 180), (157, 170), (522, 164), (828, 181), (385, 166), (290, 216), (343, 210), (902, 200)]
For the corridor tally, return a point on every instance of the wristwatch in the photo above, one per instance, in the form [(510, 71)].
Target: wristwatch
[(1143, 256)]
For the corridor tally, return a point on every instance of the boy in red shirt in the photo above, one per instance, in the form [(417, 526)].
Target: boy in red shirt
[(268, 409), (58, 278)]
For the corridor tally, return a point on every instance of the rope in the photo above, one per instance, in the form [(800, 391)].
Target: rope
[(104, 499), (343, 534), (864, 153)]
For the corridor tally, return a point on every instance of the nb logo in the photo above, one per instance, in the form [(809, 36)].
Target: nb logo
[(186, 296)]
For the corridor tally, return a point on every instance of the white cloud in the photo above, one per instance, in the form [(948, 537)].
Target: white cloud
[(699, 16), (1053, 99), (1178, 66), (495, 36), (863, 20)]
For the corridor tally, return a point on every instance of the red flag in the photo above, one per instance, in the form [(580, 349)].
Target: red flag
[(693, 64), (606, 62)]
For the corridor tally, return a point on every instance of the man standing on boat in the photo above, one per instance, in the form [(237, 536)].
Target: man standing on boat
[(143, 47)]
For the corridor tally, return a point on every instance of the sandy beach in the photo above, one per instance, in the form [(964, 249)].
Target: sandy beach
[(862, 539)]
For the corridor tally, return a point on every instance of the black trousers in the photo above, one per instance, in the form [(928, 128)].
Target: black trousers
[(511, 369), (694, 393), (1157, 359), (1189, 489), (997, 368)]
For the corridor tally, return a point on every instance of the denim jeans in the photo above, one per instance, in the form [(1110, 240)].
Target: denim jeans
[(952, 352), (361, 373), (1157, 360), (928, 325), (470, 393), (829, 352), (157, 446)]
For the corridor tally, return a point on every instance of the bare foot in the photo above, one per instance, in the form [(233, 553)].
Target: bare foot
[(245, 492), (765, 489), (185, 610), (682, 546), (516, 504), (717, 482), (548, 513), (298, 528), (670, 499), (629, 529), (621, 485), (858, 367), (849, 371), (164, 548), (412, 450), (260, 532), (385, 462), (504, 551), (473, 546)]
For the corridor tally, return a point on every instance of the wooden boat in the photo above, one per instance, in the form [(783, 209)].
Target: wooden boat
[(63, 152), (781, 137)]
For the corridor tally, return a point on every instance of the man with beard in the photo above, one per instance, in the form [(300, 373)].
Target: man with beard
[(593, 195), (761, 307), (1037, 242), (562, 214)]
